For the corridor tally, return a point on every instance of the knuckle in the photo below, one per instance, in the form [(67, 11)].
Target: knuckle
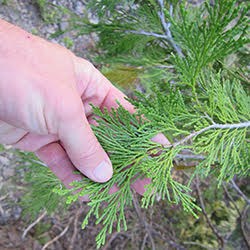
[(83, 67), (88, 65)]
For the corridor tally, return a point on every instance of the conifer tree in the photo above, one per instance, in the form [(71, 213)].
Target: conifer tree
[(191, 62)]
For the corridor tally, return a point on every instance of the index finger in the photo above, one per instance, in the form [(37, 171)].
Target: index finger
[(96, 89)]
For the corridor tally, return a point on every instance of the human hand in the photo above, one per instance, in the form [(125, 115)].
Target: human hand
[(45, 92)]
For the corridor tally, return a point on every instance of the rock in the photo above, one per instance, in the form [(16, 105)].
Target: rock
[(8, 172), (1, 182), (64, 25), (4, 160), (79, 8), (16, 212)]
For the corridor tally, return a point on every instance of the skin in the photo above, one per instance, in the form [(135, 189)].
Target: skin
[(45, 92)]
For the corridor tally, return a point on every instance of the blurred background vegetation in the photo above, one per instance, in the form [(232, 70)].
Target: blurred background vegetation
[(224, 222)]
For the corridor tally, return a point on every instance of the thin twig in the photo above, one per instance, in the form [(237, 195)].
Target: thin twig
[(192, 157), (230, 198), (209, 118), (33, 224), (146, 33), (169, 238), (243, 214), (39, 162), (215, 231), (165, 66), (196, 244), (111, 239), (3, 197), (58, 236), (143, 220), (76, 220), (1, 210), (166, 27), (237, 189), (213, 126), (242, 224), (144, 242)]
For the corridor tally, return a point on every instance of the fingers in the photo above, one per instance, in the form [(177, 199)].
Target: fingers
[(10, 134), (161, 139), (22, 139), (54, 156), (83, 149), (140, 185), (97, 89), (100, 92), (114, 95), (32, 142)]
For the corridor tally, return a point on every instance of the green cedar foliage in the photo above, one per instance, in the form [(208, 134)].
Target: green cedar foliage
[(39, 195), (192, 96)]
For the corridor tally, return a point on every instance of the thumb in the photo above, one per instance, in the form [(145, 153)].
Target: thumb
[(83, 148)]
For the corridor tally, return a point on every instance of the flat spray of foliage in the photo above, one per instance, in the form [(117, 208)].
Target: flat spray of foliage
[(190, 93)]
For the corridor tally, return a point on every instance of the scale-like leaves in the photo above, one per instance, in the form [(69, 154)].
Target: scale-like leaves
[(206, 119)]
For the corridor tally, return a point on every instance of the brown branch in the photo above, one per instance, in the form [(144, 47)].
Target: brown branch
[(143, 220), (76, 220), (215, 231), (237, 189), (3, 197), (169, 238), (111, 239), (33, 224), (242, 225), (58, 236), (231, 198), (144, 241), (196, 244)]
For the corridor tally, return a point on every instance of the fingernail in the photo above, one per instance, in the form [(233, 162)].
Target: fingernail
[(103, 171)]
